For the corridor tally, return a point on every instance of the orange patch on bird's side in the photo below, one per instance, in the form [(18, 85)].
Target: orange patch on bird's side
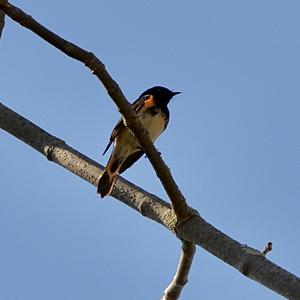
[(149, 102)]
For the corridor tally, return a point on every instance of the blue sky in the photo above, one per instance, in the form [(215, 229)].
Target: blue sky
[(232, 144)]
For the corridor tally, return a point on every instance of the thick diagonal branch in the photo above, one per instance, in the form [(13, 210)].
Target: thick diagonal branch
[(173, 291), (252, 263), (97, 67)]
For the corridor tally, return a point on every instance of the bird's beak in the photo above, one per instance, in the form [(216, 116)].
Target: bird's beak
[(175, 93)]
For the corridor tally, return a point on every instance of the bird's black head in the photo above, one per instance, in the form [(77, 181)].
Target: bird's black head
[(161, 95)]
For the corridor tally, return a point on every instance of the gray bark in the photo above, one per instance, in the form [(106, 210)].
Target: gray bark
[(250, 262)]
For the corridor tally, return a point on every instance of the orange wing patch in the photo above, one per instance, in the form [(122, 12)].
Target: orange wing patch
[(148, 103)]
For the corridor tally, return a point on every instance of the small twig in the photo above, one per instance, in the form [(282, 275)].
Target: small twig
[(268, 248), (173, 291)]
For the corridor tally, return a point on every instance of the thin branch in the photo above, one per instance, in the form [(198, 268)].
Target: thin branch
[(2, 22), (252, 263), (173, 291), (179, 204)]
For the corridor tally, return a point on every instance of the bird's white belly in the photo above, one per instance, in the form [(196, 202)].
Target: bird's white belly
[(127, 143), (155, 125)]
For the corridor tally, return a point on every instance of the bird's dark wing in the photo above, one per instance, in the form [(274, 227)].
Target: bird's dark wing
[(130, 160), (144, 102), (114, 133)]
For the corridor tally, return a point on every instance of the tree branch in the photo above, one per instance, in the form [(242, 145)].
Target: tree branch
[(57, 151), (179, 204), (2, 22), (173, 291), (250, 262)]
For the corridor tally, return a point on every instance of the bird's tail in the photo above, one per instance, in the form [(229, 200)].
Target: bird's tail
[(106, 183), (108, 178)]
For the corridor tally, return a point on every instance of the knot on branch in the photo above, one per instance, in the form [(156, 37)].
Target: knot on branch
[(50, 147)]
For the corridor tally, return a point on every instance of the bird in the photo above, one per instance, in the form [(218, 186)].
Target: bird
[(152, 110)]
